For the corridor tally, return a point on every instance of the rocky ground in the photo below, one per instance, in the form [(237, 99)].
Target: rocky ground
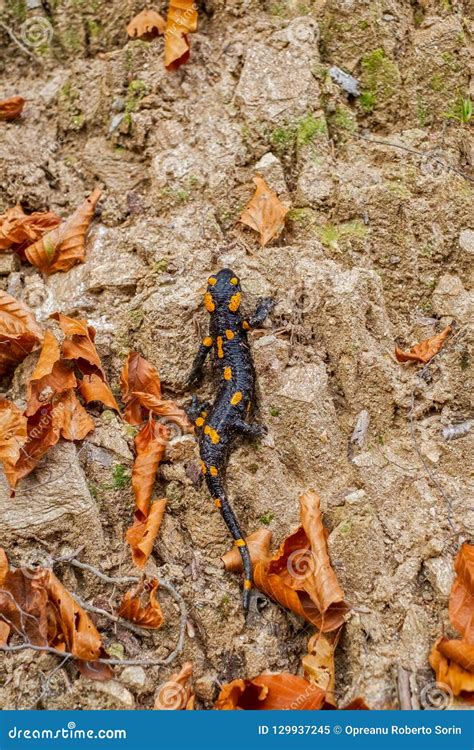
[(377, 251)]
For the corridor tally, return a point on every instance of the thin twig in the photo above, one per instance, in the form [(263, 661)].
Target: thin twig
[(17, 41), (114, 618), (423, 154)]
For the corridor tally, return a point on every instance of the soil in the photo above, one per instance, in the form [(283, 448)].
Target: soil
[(377, 252)]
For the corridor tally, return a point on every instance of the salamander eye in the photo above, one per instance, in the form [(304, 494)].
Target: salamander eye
[(234, 280), (212, 280)]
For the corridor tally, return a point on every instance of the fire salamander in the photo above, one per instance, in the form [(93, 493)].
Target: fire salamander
[(220, 424)]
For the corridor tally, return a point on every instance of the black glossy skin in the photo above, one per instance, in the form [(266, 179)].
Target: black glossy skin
[(222, 423)]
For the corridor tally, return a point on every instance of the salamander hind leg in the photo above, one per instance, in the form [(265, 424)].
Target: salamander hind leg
[(250, 430)]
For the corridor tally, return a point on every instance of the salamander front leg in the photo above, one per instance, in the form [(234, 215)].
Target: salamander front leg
[(196, 371), (197, 411), (264, 307), (250, 430)]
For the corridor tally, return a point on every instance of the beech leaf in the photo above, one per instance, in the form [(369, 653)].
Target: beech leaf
[(138, 375), (146, 24), (51, 376), (425, 350), (265, 213), (150, 444), (93, 388), (142, 534), (461, 600), (147, 615), (63, 247), (75, 422), (11, 108), (13, 433), (182, 19), (452, 662), (258, 545), (19, 332), (271, 692), (177, 694), (18, 228)]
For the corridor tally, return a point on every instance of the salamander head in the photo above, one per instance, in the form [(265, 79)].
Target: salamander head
[(223, 291)]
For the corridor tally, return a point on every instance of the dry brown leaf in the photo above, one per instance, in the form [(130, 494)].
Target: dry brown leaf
[(461, 600), (265, 213), (142, 534), (182, 19), (138, 375), (18, 228), (35, 604), (318, 663), (176, 694), (448, 660), (75, 422), (93, 388), (11, 108), (425, 350), (43, 429), (271, 692), (258, 545), (171, 412), (146, 25), (150, 444), (299, 575), (63, 247), (13, 433), (19, 332), (51, 376), (148, 615)]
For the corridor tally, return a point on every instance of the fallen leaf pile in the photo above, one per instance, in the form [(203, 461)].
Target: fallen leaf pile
[(19, 332), (182, 19), (299, 575), (141, 394), (453, 659), (44, 240), (265, 213), (425, 350), (53, 409), (35, 606), (11, 108)]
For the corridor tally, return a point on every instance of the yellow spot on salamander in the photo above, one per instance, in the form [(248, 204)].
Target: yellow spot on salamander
[(247, 584), (234, 281), (245, 325), (207, 341), (209, 302), (227, 373), (220, 350), (213, 471), (240, 543), (236, 398), (234, 303), (199, 422), (229, 334), (213, 435), (218, 503), (203, 467), (212, 280)]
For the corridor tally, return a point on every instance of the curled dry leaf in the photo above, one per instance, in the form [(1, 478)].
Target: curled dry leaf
[(139, 376), (19, 332), (63, 247), (181, 20), (36, 606), (453, 664), (75, 422), (265, 213), (164, 408), (18, 228), (148, 615), (150, 444), (299, 575), (258, 545), (318, 663), (43, 430), (142, 534), (271, 692), (51, 376), (425, 350), (11, 108), (13, 433), (146, 25), (461, 600), (177, 694), (93, 388)]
